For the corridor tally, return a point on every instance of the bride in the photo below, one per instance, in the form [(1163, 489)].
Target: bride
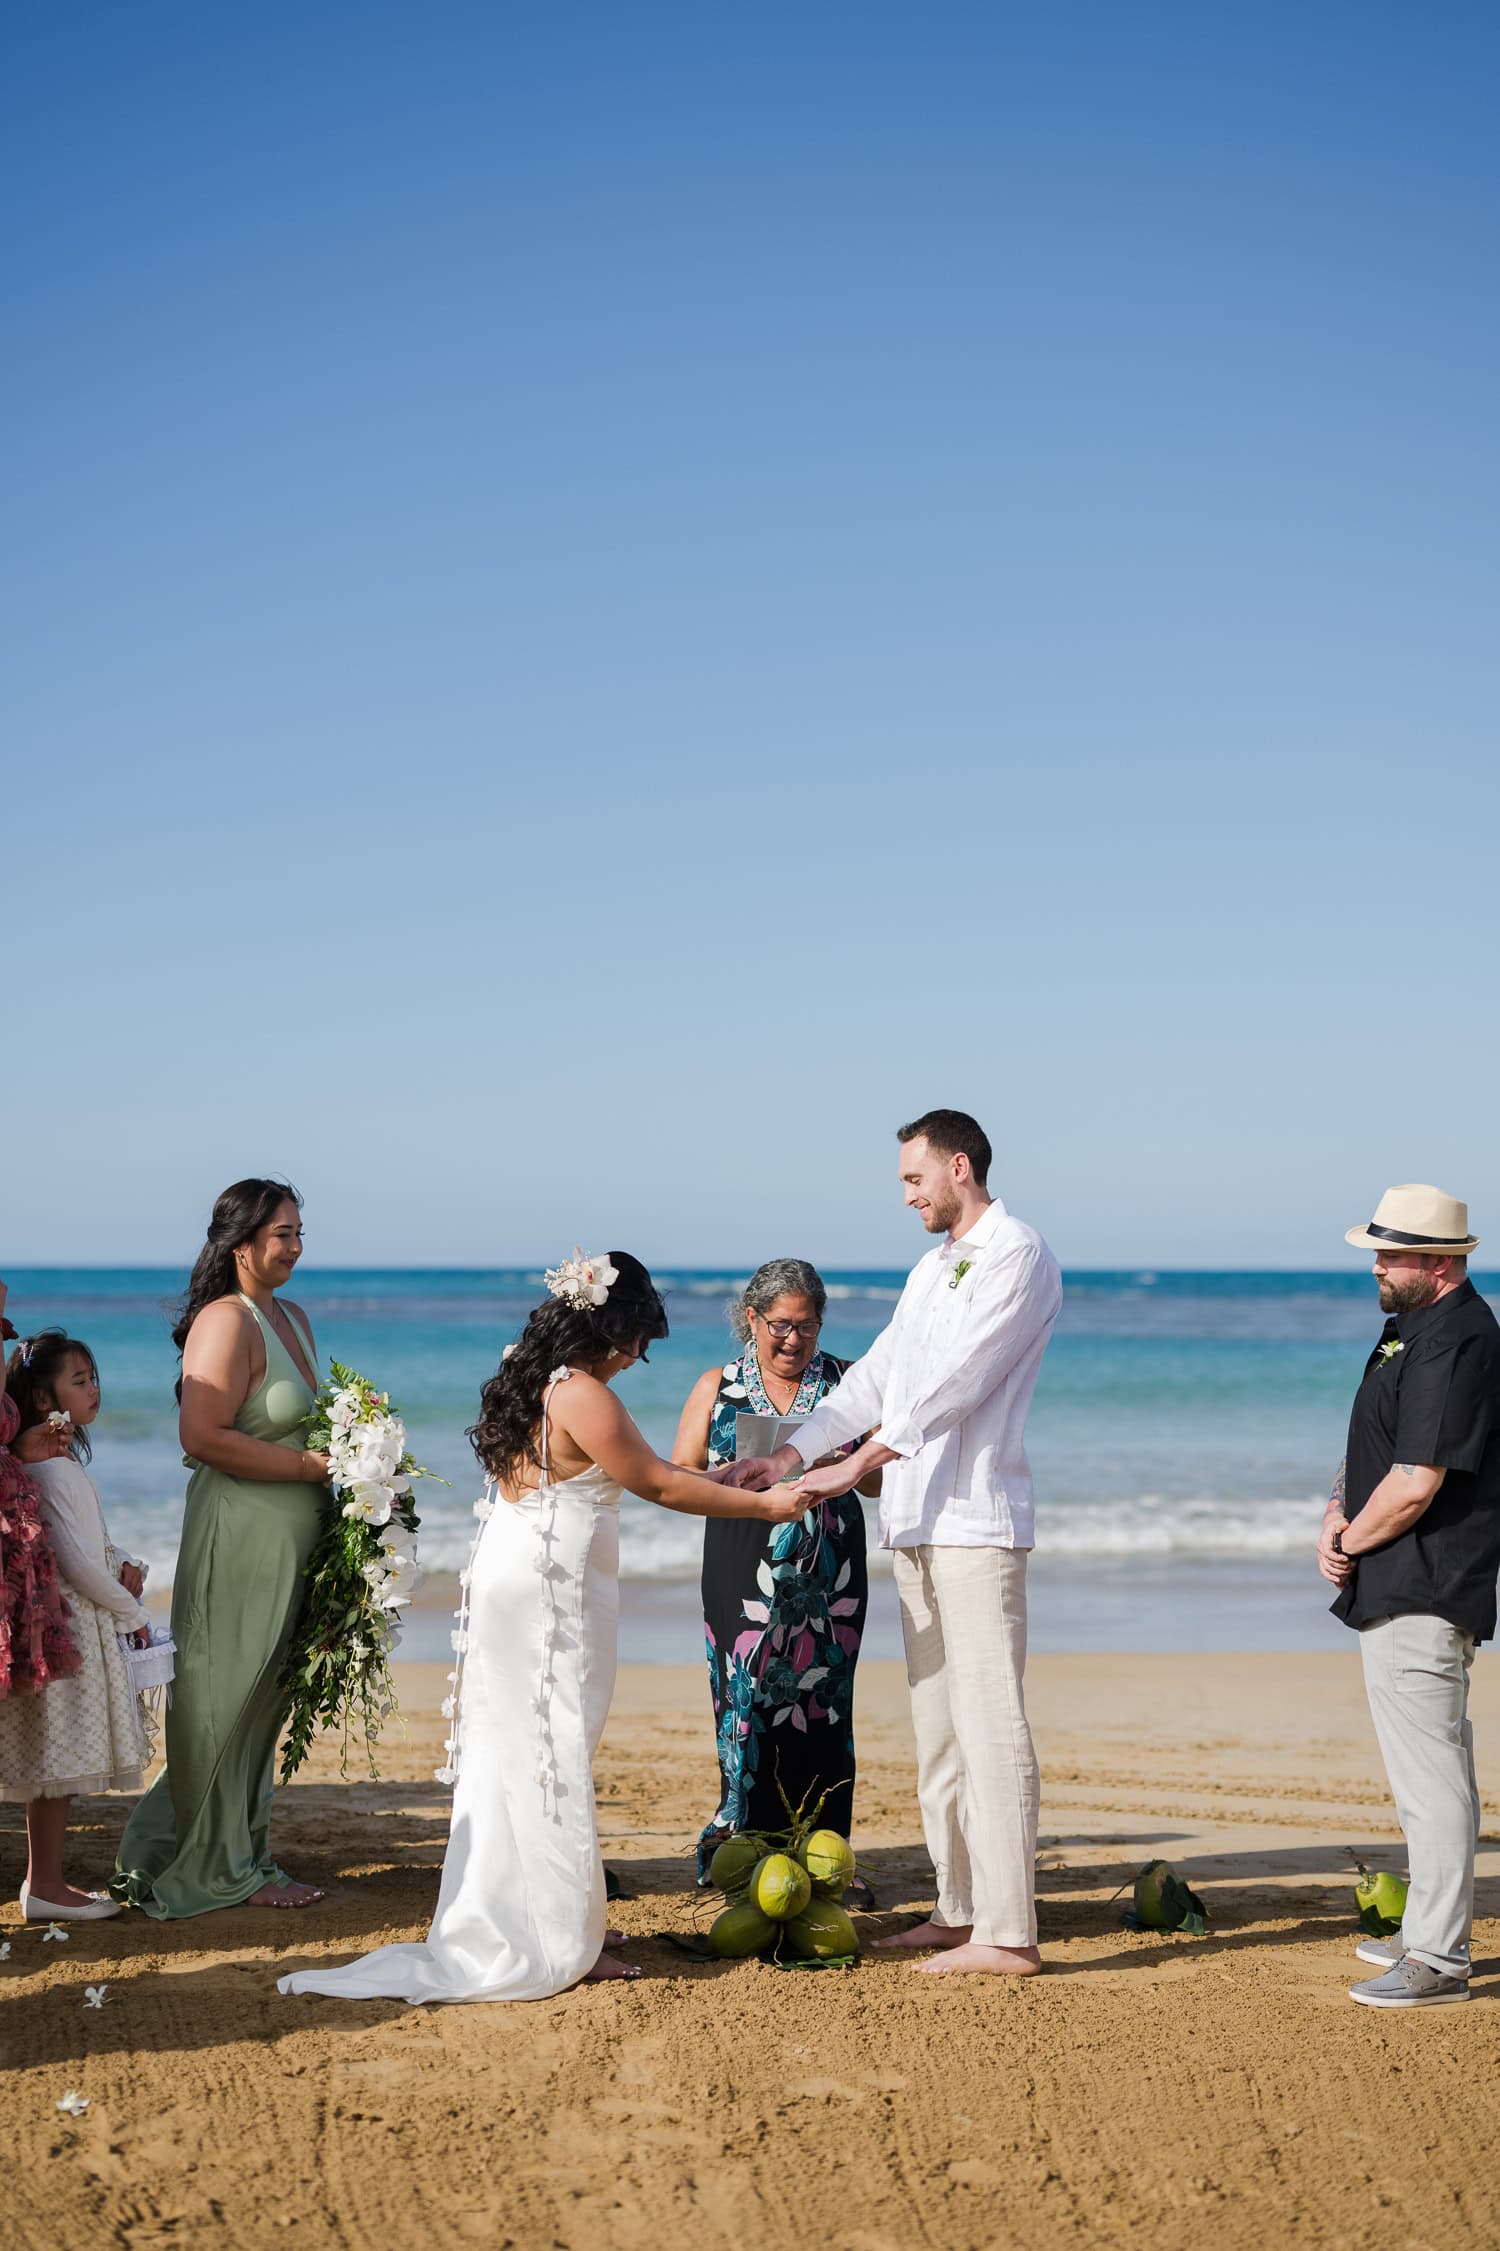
[(520, 1912)]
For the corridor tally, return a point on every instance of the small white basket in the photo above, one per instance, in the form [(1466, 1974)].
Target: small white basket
[(153, 1666)]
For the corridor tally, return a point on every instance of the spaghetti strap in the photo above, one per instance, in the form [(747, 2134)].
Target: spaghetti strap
[(558, 1375), (307, 1345)]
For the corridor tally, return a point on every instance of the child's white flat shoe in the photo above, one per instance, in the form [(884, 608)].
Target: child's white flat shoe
[(36, 1910)]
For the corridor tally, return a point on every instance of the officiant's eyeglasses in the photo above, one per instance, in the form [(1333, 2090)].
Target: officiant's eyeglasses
[(781, 1330)]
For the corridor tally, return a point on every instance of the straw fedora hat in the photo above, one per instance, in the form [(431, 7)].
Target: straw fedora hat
[(1417, 1219)]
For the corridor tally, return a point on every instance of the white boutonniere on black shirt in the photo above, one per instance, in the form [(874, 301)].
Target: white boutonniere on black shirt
[(1389, 1351)]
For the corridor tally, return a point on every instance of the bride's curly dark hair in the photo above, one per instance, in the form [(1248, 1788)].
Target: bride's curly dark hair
[(560, 1335)]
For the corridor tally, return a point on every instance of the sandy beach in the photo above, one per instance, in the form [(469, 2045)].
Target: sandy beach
[(1164, 2091)]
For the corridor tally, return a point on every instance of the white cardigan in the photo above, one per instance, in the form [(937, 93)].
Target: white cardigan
[(80, 1540)]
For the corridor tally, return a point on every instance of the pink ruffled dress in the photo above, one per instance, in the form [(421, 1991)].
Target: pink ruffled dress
[(36, 1639)]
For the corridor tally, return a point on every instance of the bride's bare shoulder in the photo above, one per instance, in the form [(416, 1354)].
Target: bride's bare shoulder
[(581, 1390)]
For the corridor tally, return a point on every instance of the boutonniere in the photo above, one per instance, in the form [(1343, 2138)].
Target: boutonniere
[(1389, 1351), (960, 1271)]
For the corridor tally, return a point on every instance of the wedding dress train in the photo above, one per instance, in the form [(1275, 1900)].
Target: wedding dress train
[(520, 1912)]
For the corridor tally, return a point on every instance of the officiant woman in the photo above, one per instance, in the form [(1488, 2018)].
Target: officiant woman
[(783, 1606)]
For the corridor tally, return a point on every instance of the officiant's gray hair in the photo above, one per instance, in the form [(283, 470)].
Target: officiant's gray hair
[(779, 1277)]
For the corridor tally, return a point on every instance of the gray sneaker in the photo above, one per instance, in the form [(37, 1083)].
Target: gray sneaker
[(1410, 1985), (1384, 1952)]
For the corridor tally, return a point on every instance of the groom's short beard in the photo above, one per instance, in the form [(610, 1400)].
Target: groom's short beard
[(1405, 1293), (942, 1212)]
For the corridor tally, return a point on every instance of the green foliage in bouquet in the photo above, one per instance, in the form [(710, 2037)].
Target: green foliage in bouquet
[(360, 1576)]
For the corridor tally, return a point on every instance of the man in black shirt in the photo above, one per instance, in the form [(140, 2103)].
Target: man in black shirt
[(1412, 1541)]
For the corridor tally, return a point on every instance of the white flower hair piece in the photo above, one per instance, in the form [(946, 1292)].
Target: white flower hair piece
[(582, 1281)]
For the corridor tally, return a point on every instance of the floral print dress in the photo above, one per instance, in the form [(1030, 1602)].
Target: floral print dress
[(37, 1644), (783, 1615)]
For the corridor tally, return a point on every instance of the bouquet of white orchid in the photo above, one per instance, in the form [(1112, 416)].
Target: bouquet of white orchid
[(362, 1573)]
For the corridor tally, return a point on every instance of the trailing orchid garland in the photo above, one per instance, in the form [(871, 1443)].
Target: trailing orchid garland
[(362, 1573)]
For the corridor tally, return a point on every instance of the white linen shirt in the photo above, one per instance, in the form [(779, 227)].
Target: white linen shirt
[(949, 1384)]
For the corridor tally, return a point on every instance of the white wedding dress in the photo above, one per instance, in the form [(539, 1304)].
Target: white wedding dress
[(520, 1912)]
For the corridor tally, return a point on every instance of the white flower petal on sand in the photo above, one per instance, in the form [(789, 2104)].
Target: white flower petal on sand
[(5, 1951), (54, 1931), (73, 2103), (94, 1996)]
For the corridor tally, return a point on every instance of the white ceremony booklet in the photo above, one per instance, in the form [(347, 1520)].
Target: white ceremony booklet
[(758, 1435)]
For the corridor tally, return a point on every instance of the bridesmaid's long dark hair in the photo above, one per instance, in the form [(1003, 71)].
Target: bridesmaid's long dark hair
[(238, 1215), (559, 1335)]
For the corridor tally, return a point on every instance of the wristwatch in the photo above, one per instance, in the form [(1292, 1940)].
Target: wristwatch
[(1338, 1546)]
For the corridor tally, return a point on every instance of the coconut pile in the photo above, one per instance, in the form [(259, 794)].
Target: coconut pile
[(783, 1893)]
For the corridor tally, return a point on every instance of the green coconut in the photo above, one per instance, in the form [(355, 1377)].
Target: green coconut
[(779, 1887), (734, 1864), (821, 1933), (829, 1861), (1381, 1900), (1163, 1902), (742, 1930)]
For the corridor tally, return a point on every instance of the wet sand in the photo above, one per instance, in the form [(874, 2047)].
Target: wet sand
[(1163, 2091)]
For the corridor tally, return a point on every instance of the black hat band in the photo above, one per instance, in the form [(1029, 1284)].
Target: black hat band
[(1399, 1235)]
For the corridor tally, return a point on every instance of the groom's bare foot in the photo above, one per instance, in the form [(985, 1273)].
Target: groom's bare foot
[(926, 1934), (289, 1894), (605, 1967), (989, 1961)]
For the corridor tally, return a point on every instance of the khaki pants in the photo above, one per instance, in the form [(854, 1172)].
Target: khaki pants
[(963, 1616), (1417, 1680)]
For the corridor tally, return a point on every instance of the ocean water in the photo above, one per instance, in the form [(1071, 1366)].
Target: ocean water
[(1185, 1429)]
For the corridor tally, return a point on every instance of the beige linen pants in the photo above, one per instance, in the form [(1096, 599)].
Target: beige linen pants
[(963, 1616), (1417, 1680)]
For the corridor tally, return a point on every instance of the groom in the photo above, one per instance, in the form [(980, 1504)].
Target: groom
[(947, 1386)]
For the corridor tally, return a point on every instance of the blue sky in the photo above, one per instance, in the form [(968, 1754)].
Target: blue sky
[(609, 602)]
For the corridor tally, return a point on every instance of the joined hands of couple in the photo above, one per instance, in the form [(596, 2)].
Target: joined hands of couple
[(835, 1474)]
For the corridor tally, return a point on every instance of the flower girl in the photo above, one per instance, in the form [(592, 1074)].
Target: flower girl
[(83, 1734)]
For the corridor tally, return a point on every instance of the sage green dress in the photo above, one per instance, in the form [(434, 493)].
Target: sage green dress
[(200, 1838)]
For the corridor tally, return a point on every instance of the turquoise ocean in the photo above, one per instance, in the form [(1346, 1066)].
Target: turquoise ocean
[(1184, 1433)]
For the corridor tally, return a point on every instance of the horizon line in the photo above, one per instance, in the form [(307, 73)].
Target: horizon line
[(1137, 1268)]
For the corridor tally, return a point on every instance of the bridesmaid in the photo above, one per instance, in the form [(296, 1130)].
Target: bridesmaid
[(200, 1838), (784, 1609)]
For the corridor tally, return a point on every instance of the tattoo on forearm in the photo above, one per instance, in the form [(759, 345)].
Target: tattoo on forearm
[(1340, 1481), (1407, 1469)]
